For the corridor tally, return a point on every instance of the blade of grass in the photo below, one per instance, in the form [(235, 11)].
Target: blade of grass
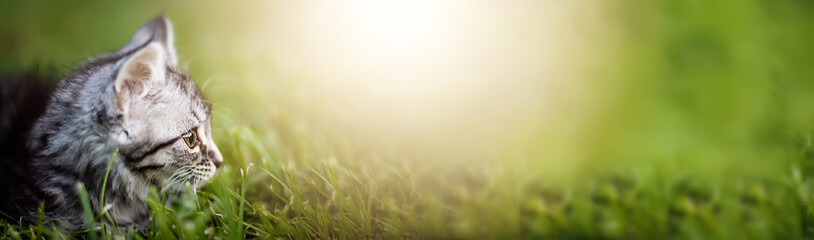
[(105, 209), (244, 177), (104, 182), (90, 221)]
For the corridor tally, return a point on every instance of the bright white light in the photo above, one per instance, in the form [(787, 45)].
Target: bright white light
[(396, 50), (396, 28), (433, 67)]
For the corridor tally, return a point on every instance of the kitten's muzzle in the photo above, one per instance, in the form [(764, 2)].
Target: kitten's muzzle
[(217, 162), (212, 154), (215, 157)]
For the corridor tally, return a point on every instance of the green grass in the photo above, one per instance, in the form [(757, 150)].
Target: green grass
[(701, 127)]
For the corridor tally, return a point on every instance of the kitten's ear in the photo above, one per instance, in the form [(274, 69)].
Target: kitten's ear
[(138, 74), (159, 30)]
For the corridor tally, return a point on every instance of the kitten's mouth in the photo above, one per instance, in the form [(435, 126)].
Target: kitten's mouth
[(194, 176)]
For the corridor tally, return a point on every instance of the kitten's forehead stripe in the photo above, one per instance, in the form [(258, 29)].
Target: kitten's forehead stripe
[(197, 117), (199, 108), (185, 83)]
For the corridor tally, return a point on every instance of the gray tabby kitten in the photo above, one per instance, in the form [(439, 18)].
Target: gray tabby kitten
[(136, 100)]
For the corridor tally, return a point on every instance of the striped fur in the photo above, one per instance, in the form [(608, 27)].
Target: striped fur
[(89, 117)]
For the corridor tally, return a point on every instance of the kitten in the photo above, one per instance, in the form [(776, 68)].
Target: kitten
[(134, 99)]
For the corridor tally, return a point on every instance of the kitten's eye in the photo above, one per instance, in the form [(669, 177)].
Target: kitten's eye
[(191, 138)]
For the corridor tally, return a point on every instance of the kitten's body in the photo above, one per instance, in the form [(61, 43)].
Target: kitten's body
[(135, 100), (24, 98)]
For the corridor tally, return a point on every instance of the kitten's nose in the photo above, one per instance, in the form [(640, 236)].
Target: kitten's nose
[(217, 159), (214, 155)]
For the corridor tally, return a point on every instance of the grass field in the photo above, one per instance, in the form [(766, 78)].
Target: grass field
[(629, 120)]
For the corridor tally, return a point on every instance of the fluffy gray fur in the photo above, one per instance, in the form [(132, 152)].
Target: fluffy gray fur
[(135, 100)]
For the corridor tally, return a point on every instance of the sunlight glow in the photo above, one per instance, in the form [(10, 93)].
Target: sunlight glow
[(396, 28), (433, 69)]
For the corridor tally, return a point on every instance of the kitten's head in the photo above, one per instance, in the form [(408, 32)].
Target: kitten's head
[(164, 124)]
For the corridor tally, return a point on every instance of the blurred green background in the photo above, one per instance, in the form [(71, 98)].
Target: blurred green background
[(481, 119)]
